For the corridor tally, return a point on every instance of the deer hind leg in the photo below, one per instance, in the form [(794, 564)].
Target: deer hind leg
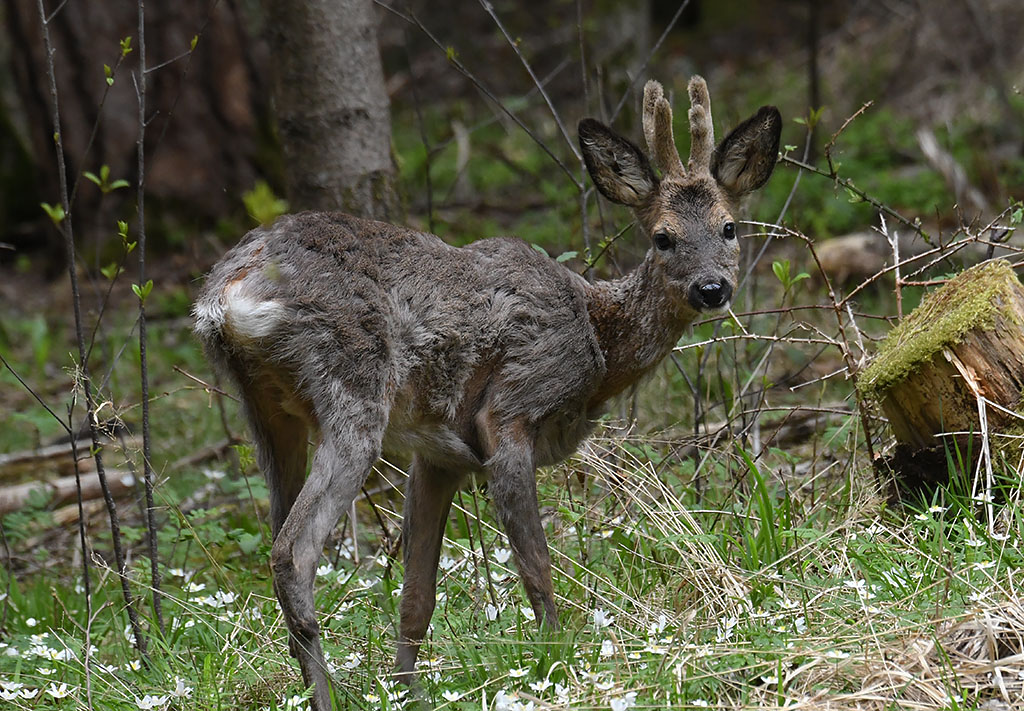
[(351, 436), (428, 499), (282, 449), (513, 488)]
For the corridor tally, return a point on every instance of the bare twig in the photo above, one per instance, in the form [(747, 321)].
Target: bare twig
[(147, 462), (647, 60), (412, 18), (82, 376), (489, 8), (847, 184), (832, 141)]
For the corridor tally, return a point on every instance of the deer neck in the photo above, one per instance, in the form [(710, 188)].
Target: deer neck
[(637, 322)]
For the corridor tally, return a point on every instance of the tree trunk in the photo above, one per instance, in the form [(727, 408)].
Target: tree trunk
[(332, 107)]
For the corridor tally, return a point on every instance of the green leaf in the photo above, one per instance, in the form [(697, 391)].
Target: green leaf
[(103, 180), (540, 249), (566, 256), (111, 271), (56, 212), (262, 205), (143, 291), (193, 43), (249, 542), (126, 46), (781, 269), (122, 229)]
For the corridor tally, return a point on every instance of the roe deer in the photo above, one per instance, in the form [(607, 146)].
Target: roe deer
[(488, 358)]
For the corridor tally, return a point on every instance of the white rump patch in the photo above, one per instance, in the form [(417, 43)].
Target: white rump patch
[(248, 319)]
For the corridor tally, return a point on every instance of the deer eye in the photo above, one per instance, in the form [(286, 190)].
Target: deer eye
[(663, 241), (729, 230)]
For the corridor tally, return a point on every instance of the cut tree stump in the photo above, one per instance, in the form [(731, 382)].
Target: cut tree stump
[(965, 340)]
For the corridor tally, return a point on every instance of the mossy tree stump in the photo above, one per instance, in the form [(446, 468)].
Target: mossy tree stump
[(965, 339)]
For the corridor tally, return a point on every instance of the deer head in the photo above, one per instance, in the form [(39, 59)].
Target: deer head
[(687, 213)]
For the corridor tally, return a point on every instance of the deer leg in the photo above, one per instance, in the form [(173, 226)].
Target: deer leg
[(341, 464), (282, 451), (428, 498), (513, 488)]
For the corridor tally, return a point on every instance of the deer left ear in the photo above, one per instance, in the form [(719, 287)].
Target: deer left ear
[(744, 160), (619, 169)]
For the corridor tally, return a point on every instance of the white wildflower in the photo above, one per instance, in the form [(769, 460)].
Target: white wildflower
[(624, 702), (602, 618), (58, 692), (541, 686), (150, 702), (180, 690)]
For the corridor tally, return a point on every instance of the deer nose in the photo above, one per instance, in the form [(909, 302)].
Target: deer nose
[(710, 294)]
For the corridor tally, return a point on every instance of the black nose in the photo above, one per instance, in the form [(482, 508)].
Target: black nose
[(710, 294)]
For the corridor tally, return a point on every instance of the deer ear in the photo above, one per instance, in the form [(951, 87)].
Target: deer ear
[(619, 169), (744, 160)]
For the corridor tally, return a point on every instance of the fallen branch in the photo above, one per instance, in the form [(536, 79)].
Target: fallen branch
[(63, 490)]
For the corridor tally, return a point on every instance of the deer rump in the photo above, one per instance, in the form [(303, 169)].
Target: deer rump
[(456, 339)]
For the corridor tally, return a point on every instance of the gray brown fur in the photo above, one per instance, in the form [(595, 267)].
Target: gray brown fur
[(492, 357)]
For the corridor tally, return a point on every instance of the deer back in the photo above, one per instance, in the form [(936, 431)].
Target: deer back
[(437, 334)]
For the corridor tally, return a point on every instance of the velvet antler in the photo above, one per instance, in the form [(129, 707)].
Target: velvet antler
[(657, 120)]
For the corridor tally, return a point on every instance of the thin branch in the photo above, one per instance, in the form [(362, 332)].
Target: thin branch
[(647, 60), (461, 68), (832, 141), (147, 465), (489, 8), (844, 182), (82, 376), (34, 394)]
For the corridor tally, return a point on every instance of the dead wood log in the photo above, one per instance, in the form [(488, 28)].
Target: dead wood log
[(965, 341), (63, 490), (50, 457)]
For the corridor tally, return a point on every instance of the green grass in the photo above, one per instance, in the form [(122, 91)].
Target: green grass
[(742, 600)]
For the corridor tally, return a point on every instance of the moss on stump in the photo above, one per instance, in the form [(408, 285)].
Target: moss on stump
[(965, 338)]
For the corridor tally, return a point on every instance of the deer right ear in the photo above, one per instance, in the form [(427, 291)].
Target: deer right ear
[(744, 160), (619, 169)]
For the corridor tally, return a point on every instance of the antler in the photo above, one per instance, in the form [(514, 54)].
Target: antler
[(702, 133), (657, 120)]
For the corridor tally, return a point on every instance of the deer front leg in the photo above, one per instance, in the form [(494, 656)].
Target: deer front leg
[(513, 489), (428, 498)]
